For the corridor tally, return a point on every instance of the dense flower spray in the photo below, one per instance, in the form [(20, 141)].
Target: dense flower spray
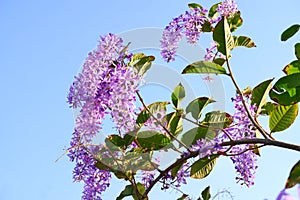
[(243, 159), (105, 86), (190, 25)]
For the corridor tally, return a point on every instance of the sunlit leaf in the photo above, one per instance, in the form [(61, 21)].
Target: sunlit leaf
[(196, 106), (235, 21), (222, 35), (174, 120), (260, 94), (217, 120), (144, 115), (152, 140), (141, 62), (282, 117), (204, 67), (243, 41), (202, 168), (292, 68), (177, 95)]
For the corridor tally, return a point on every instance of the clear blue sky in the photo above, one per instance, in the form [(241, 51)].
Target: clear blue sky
[(42, 46)]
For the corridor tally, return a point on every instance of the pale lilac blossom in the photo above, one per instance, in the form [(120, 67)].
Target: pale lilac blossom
[(189, 25)]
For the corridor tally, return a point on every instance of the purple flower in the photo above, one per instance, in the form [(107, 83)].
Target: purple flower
[(105, 86), (95, 181), (227, 8), (188, 24), (211, 52), (147, 178), (180, 178), (206, 147), (171, 37), (193, 23), (243, 159)]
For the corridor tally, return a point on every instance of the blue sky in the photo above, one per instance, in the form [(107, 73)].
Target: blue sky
[(42, 46)]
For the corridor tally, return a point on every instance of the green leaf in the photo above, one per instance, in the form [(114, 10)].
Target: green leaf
[(292, 68), (294, 177), (286, 90), (213, 10), (196, 106), (116, 140), (141, 62), (183, 197), (289, 32), (282, 117), (217, 120), (222, 35), (235, 21), (243, 41), (128, 191), (219, 61), (144, 115), (177, 95), (204, 67), (267, 108), (206, 193), (152, 140), (141, 189), (191, 136), (297, 50), (127, 139), (174, 123), (206, 27), (260, 93), (202, 168), (194, 5)]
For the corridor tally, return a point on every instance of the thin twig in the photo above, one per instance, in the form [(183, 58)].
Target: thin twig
[(261, 130)]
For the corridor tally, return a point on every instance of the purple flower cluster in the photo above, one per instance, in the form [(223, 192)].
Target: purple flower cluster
[(95, 181), (188, 24), (178, 180), (105, 86), (206, 147), (211, 52), (243, 159), (147, 178), (227, 8)]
